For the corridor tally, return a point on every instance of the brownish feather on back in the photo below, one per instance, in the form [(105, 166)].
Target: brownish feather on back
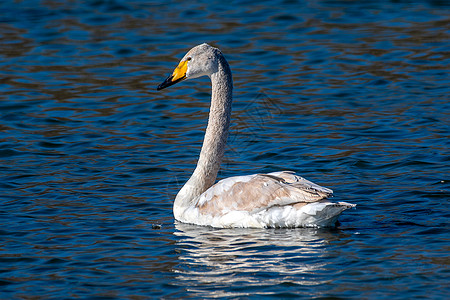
[(261, 192)]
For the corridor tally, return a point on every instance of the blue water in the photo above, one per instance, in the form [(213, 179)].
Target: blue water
[(351, 95)]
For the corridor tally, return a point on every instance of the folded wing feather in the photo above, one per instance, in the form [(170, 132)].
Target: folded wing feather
[(258, 192)]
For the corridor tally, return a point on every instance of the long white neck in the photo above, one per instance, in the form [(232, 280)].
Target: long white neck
[(214, 142)]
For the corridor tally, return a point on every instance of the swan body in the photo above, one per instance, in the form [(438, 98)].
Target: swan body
[(279, 199)]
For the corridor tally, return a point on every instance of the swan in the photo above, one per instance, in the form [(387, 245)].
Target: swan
[(274, 200)]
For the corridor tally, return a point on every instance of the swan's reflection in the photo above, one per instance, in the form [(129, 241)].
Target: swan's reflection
[(237, 262)]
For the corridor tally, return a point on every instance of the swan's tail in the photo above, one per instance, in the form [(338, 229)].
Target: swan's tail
[(324, 214)]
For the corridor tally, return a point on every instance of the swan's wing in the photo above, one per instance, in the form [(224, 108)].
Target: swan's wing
[(257, 192), (300, 182)]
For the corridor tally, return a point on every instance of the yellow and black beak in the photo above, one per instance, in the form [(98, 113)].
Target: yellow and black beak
[(178, 75)]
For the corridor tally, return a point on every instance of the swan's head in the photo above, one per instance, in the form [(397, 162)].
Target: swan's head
[(199, 61)]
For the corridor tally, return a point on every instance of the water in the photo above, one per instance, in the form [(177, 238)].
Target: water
[(352, 95)]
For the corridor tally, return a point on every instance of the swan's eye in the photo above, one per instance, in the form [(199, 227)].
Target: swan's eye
[(189, 58)]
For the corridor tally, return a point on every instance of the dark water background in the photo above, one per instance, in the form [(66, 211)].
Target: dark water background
[(352, 95)]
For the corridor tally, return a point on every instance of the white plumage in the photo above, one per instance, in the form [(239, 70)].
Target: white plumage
[(279, 199)]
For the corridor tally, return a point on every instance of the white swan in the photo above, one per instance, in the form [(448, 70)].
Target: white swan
[(279, 199)]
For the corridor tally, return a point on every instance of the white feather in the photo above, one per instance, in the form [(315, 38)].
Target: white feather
[(278, 199)]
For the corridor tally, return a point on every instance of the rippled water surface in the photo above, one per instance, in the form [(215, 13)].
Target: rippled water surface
[(351, 95)]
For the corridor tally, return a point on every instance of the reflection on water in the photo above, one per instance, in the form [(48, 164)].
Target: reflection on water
[(228, 257)]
